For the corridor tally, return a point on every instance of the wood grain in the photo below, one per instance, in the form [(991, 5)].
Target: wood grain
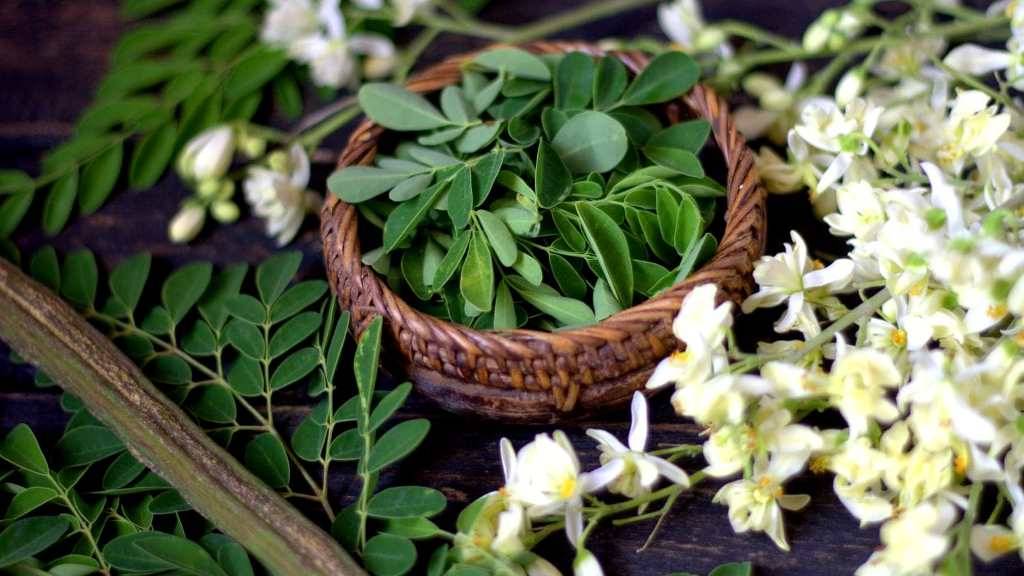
[(52, 54)]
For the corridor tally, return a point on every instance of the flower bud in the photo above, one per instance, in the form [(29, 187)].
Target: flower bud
[(278, 161), (378, 67), (224, 211), (758, 84), (818, 33), (226, 190), (709, 38), (208, 188), (252, 146), (541, 567), (850, 86), (187, 223), (208, 155), (586, 565)]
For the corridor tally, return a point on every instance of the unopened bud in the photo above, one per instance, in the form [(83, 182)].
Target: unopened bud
[(187, 223), (378, 67), (252, 146), (226, 190), (850, 86), (278, 161), (224, 211), (208, 188), (208, 155)]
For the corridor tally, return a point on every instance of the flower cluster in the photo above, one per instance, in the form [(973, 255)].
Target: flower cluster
[(316, 35), (275, 187), (917, 165), (912, 339), (545, 487)]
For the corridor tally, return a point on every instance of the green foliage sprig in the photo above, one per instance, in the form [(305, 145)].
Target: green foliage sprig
[(200, 63), (86, 506), (536, 172), (225, 348)]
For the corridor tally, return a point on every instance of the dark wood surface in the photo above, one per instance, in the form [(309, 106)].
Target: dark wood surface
[(52, 53)]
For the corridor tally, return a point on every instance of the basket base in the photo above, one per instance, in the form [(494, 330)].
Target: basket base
[(523, 406)]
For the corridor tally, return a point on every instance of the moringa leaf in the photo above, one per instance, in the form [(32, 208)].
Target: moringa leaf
[(574, 79), (551, 177), (502, 242), (591, 142), (396, 108), (476, 283), (669, 75), (355, 184), (609, 244), (515, 61), (610, 79), (568, 311)]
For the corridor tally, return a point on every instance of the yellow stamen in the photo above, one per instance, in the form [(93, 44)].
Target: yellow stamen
[(960, 464), (996, 311), (918, 288), (898, 337), (817, 264), (567, 487), (680, 357), (819, 464), (1002, 543)]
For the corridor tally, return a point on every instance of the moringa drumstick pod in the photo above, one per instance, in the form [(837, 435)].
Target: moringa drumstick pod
[(50, 334)]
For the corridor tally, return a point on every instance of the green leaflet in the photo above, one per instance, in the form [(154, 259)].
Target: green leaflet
[(667, 76), (501, 240), (396, 108), (477, 281), (360, 183), (591, 142), (609, 244), (514, 61), (552, 177)]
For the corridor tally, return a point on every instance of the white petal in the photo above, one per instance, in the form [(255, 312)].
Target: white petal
[(944, 196), (607, 440), (976, 60), (508, 459), (603, 476), (834, 172), (670, 471), (574, 521), (836, 275), (638, 426), (987, 540)]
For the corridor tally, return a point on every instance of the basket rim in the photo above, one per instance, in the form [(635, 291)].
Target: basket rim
[(701, 101)]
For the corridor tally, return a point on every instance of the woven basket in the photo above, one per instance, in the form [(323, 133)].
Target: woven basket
[(533, 376)]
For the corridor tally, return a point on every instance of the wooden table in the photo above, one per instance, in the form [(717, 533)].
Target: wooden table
[(53, 53)]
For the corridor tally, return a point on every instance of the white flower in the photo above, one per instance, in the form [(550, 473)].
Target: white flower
[(288, 20), (990, 541), (545, 476), (207, 155), (843, 134), (792, 278), (639, 471), (768, 431), (859, 469), (790, 380), (512, 527), (861, 211), (683, 23), (280, 196), (329, 52), (972, 129), (858, 384), (586, 564), (913, 541), (700, 318), (939, 409), (719, 401), (187, 223), (702, 326), (777, 105), (757, 504)]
